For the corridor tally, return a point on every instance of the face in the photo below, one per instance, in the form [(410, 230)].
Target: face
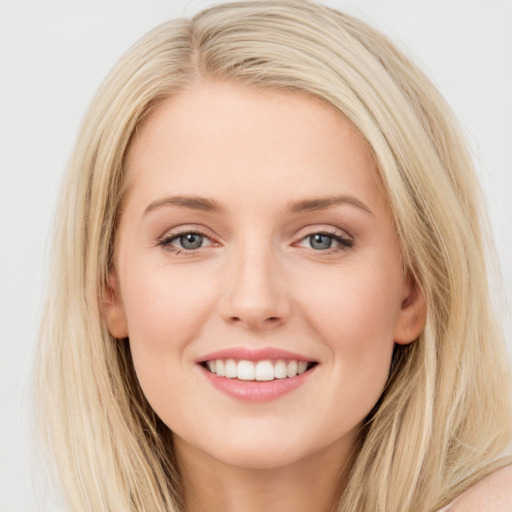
[(255, 242)]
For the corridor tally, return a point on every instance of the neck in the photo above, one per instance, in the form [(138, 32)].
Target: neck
[(312, 483)]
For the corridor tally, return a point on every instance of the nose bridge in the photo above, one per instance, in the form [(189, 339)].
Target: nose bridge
[(255, 294)]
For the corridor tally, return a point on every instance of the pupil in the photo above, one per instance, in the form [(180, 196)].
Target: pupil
[(321, 242), (191, 241)]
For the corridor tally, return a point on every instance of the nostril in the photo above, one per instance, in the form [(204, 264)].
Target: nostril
[(269, 320)]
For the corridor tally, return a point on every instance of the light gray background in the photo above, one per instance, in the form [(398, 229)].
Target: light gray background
[(54, 54)]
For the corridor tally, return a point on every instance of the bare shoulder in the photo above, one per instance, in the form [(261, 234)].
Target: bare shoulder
[(492, 494)]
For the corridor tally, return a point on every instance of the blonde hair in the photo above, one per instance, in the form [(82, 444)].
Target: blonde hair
[(444, 417)]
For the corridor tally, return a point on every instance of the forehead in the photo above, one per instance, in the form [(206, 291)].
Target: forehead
[(218, 137)]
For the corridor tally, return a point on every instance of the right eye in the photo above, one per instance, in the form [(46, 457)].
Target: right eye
[(185, 242)]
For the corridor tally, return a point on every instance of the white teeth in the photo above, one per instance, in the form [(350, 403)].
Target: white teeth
[(246, 370), (265, 370), (219, 368), (280, 370), (291, 369), (230, 369)]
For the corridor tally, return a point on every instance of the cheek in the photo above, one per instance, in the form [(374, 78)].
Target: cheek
[(164, 306), (165, 312), (354, 307), (354, 317)]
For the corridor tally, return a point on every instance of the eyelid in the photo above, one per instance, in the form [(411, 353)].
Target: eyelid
[(343, 240), (185, 229), (327, 230), (171, 235)]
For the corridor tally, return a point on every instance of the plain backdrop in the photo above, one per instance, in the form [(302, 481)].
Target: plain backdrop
[(53, 56)]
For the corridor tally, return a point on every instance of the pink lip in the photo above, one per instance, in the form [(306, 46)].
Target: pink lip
[(256, 391), (253, 354)]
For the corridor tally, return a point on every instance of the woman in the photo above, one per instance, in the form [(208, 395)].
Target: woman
[(270, 285)]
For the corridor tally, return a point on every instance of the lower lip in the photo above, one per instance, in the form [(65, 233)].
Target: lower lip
[(257, 391)]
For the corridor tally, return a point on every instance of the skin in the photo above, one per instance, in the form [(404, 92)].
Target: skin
[(257, 282), (492, 494)]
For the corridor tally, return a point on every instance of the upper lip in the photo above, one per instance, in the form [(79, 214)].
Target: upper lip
[(251, 354)]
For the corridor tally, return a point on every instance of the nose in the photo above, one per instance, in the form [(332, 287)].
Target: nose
[(255, 295)]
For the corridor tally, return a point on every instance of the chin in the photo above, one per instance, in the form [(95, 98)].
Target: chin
[(248, 449), (257, 457)]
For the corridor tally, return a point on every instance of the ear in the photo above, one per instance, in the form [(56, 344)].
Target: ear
[(412, 314), (113, 308)]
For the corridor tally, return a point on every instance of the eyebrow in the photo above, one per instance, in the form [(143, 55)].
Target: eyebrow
[(322, 203), (192, 202), (304, 205)]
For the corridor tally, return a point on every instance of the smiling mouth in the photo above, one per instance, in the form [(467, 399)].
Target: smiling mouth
[(263, 370)]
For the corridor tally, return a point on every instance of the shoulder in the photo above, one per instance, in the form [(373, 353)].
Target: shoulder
[(492, 494)]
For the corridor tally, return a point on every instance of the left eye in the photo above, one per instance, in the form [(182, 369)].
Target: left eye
[(324, 241)]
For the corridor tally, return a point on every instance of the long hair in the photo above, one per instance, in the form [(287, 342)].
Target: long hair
[(444, 417)]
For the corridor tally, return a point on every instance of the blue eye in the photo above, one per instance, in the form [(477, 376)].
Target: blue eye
[(320, 241), (191, 241), (323, 241), (185, 242)]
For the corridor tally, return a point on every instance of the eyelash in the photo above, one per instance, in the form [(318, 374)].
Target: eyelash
[(166, 241), (344, 243)]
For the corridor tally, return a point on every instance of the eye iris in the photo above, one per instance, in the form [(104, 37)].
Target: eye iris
[(191, 241), (320, 242)]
